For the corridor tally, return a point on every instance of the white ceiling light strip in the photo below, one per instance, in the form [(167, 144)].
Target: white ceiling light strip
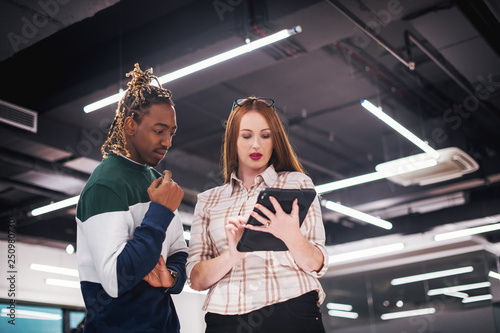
[(339, 306), (472, 286), (457, 294), (377, 111), (494, 275), (54, 269), (366, 253), (467, 232), (343, 314), (63, 283), (477, 298), (55, 206), (432, 275), (27, 314), (285, 33), (405, 314), (370, 177), (357, 214)]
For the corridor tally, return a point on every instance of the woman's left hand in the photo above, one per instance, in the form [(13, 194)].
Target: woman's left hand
[(281, 224)]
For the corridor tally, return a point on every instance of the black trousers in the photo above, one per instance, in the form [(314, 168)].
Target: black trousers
[(297, 315)]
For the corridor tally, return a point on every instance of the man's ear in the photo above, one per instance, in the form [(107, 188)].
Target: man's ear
[(129, 126)]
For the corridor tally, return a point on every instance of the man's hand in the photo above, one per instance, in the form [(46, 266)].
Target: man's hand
[(160, 276), (166, 192)]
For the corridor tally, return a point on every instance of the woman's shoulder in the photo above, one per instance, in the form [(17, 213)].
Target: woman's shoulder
[(294, 179), (214, 191), (295, 175)]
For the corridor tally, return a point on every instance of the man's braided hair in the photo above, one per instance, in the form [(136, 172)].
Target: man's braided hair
[(135, 103)]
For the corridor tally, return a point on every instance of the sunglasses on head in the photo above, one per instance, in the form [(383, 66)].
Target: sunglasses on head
[(250, 100)]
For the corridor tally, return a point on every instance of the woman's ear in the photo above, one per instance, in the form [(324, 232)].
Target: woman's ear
[(129, 126)]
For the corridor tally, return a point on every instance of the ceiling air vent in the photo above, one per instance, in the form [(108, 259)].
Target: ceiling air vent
[(17, 116), (452, 163)]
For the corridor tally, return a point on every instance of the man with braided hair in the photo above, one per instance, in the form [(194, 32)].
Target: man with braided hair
[(131, 248)]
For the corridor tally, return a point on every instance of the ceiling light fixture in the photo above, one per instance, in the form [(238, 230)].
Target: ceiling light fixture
[(54, 269), (70, 249), (55, 206), (477, 298), (370, 177), (494, 275), (472, 286), (285, 33), (338, 306), (333, 259), (467, 232), (432, 275), (28, 314), (457, 294), (357, 214), (63, 283), (377, 111), (405, 314), (343, 314)]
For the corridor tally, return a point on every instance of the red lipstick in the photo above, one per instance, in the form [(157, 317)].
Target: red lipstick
[(255, 156)]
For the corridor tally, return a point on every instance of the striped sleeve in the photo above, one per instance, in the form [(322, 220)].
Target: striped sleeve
[(313, 228), (120, 261), (200, 244)]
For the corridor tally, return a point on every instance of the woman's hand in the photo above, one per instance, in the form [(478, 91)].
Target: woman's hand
[(287, 228), (281, 224), (206, 273), (234, 229)]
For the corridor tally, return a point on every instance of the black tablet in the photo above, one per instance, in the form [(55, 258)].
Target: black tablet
[(252, 240)]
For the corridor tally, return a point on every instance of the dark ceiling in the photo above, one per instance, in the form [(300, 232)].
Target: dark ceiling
[(57, 59)]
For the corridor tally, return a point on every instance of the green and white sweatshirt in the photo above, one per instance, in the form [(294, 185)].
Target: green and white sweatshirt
[(120, 236)]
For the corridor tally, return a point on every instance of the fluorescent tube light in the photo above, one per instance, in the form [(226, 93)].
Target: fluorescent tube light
[(477, 298), (320, 189), (104, 102), (365, 253), (370, 177), (457, 294), (432, 275), (441, 291), (63, 283), (405, 314), (54, 269), (377, 111), (357, 214), (55, 206), (339, 306), (27, 314), (343, 314), (494, 275), (467, 232), (285, 33)]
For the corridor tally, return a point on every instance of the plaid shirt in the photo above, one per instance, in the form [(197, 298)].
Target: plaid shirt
[(261, 278)]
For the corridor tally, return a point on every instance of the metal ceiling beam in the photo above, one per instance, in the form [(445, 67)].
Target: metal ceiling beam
[(36, 164)]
